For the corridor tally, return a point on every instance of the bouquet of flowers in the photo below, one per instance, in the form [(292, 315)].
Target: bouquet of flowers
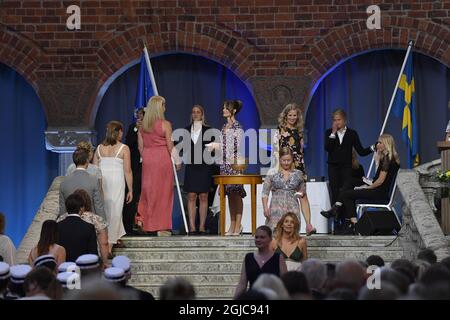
[(444, 176)]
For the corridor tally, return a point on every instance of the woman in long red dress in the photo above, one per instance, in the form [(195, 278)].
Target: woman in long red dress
[(156, 147)]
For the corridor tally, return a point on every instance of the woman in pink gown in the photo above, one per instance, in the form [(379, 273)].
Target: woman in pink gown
[(156, 146)]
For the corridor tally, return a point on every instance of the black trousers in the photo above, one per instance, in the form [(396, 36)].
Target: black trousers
[(130, 209), (349, 197), (340, 177)]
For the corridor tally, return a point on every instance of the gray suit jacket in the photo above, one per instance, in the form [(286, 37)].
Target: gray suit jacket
[(81, 179)]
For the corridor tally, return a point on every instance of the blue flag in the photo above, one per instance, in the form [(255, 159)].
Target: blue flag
[(144, 89), (405, 107)]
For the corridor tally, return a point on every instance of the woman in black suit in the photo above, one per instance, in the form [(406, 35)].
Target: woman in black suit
[(339, 142), (198, 174)]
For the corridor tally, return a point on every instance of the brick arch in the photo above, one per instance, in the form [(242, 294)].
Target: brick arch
[(20, 54), (349, 40), (195, 38), (120, 52)]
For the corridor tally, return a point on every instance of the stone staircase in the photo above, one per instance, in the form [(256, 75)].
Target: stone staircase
[(213, 264)]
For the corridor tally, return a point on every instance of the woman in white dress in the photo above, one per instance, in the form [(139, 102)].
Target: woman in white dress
[(113, 158)]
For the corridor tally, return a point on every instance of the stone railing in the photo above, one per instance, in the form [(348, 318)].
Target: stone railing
[(420, 227), (48, 210), (429, 183)]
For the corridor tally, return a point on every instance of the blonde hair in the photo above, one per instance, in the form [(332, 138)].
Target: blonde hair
[(154, 112), (339, 112), (282, 118), (85, 145), (112, 133), (295, 236), (203, 113), (390, 151), (284, 152)]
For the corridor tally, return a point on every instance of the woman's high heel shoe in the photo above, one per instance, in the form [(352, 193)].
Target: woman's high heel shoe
[(310, 229), (240, 231)]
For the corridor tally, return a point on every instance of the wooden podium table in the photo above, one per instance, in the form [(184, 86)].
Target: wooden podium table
[(252, 180), (444, 149)]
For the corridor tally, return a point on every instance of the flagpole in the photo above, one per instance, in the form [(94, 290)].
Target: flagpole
[(410, 45), (155, 91)]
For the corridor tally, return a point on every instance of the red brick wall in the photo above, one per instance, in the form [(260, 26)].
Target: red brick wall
[(254, 38)]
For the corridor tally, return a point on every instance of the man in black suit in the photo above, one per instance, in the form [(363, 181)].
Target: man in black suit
[(131, 140), (75, 235), (339, 143)]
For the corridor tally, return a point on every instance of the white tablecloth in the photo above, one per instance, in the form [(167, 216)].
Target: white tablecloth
[(318, 200)]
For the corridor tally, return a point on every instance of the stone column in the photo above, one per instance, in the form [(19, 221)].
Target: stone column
[(64, 141)]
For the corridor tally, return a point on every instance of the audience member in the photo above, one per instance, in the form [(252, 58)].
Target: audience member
[(386, 292), (15, 287), (375, 260), (405, 267), (177, 289), (315, 272), (427, 255), (75, 235), (350, 275), (4, 278), (272, 282), (7, 249), (125, 264), (342, 294), (47, 261), (48, 244), (41, 284), (296, 284)]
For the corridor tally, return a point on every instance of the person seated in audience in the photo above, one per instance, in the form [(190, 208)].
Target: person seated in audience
[(271, 282), (297, 286), (4, 278), (177, 289), (375, 260), (446, 262), (315, 272), (342, 294), (48, 244), (287, 240), (95, 289), (388, 164), (90, 267), (7, 248), (125, 264), (92, 168), (81, 179), (100, 224), (69, 280), (41, 284), (265, 260), (116, 276), (396, 278), (427, 255), (350, 275), (48, 261), (75, 235), (405, 267), (15, 286), (421, 267)]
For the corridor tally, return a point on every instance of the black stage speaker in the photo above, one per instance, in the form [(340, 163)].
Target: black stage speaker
[(378, 223)]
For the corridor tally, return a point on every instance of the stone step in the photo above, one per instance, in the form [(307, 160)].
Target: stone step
[(247, 241), (159, 279), (237, 255)]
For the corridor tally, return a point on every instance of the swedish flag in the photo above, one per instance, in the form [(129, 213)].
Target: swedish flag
[(405, 106)]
